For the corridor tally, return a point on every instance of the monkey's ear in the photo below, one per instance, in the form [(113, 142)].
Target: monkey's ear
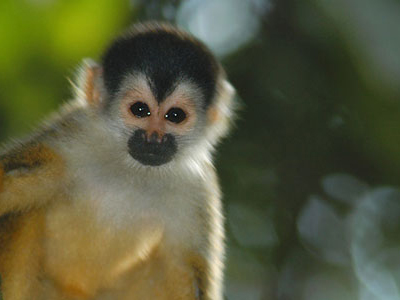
[(223, 106), (222, 112), (89, 86)]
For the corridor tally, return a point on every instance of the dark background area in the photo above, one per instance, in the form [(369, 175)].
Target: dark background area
[(311, 170)]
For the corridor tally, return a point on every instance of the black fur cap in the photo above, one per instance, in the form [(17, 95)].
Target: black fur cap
[(165, 55)]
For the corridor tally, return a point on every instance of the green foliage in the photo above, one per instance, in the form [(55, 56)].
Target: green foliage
[(42, 44)]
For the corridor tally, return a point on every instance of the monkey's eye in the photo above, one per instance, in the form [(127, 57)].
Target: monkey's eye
[(140, 110), (175, 115)]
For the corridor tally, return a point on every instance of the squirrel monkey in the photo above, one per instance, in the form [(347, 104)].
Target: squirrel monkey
[(116, 196)]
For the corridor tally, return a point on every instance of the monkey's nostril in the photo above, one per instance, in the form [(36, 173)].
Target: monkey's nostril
[(154, 138)]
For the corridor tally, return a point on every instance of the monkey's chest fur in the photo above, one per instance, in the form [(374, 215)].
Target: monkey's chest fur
[(123, 242)]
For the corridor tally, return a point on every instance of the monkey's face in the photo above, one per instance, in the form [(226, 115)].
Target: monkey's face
[(162, 83), (158, 130)]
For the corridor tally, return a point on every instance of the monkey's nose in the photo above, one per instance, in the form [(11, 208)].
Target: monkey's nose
[(155, 137)]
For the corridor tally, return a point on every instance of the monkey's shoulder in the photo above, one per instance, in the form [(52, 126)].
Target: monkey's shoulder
[(26, 157), (38, 150), (32, 173)]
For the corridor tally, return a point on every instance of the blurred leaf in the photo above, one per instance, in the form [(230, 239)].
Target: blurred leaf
[(344, 187), (324, 231)]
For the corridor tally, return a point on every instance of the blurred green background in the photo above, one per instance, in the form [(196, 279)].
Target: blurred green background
[(311, 172)]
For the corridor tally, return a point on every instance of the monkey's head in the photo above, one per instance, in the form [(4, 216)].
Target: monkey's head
[(163, 91)]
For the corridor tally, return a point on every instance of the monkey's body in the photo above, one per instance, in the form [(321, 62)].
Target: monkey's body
[(78, 221)]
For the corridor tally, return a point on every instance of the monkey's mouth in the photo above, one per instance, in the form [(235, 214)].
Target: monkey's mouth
[(152, 153), (151, 159)]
